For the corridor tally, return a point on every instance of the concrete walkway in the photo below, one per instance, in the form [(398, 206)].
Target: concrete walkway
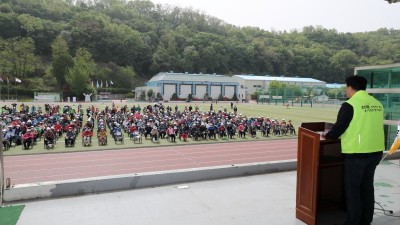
[(252, 200)]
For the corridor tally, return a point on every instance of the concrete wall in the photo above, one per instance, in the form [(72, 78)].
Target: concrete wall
[(169, 90), (229, 91), (141, 180), (201, 90), (215, 91), (185, 91)]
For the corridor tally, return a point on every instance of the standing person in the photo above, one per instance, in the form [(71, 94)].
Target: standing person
[(360, 126)]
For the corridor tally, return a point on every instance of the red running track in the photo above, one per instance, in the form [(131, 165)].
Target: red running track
[(66, 166)]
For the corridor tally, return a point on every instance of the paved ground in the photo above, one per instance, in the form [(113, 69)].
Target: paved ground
[(252, 200)]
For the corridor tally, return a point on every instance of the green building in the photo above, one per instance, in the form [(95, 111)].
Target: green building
[(384, 84)]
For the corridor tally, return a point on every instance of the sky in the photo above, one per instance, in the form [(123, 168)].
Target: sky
[(342, 15)]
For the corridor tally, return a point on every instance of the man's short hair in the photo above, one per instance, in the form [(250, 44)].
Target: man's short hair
[(357, 82)]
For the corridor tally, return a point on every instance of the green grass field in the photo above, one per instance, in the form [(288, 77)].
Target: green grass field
[(297, 114)]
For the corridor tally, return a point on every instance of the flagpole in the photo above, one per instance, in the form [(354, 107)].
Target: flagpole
[(16, 91), (8, 89)]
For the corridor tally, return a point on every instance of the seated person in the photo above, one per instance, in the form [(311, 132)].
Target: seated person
[(70, 136), (253, 131), (35, 133), (221, 131), (211, 131), (9, 134), (49, 136), (163, 130), (290, 127), (147, 130), (171, 133), (5, 139), (58, 129), (87, 133), (27, 139), (183, 131), (241, 129), (154, 134), (133, 128), (102, 134), (117, 132)]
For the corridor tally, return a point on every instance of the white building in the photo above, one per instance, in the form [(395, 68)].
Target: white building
[(248, 84), (184, 84)]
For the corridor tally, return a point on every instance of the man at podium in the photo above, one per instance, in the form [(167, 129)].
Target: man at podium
[(359, 124)]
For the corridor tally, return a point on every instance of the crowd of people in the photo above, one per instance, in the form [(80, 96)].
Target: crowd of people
[(26, 125)]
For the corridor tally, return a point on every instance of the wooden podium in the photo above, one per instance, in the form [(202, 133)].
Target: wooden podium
[(320, 171)]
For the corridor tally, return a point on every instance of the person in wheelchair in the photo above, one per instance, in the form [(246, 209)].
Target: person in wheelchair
[(242, 131), (203, 131), (147, 130), (264, 129), (49, 137), (253, 130), (291, 128), (117, 132), (70, 137), (58, 129), (163, 130), (132, 129), (87, 135), (222, 131), (9, 134), (230, 130), (183, 132), (171, 133), (211, 131), (27, 139), (102, 136), (154, 134), (6, 141)]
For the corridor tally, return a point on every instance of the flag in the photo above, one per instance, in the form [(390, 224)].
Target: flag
[(106, 83), (92, 84), (97, 84), (8, 81), (101, 83), (1, 80), (111, 82), (396, 142), (17, 80)]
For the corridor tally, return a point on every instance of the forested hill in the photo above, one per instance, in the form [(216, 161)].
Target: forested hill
[(42, 38)]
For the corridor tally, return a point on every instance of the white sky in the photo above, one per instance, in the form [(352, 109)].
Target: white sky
[(280, 15)]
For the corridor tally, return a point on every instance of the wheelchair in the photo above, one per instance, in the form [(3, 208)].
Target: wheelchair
[(48, 145), (86, 141), (136, 137), (29, 143), (102, 140), (6, 144), (69, 142), (118, 136)]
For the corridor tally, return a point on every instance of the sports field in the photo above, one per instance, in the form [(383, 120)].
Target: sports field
[(297, 114)]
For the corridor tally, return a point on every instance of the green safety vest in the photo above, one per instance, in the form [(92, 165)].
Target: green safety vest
[(365, 131)]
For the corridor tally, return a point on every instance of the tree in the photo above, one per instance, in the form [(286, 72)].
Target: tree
[(78, 76), (150, 93), (18, 57), (62, 60)]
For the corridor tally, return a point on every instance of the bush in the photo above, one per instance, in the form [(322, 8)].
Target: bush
[(174, 97), (130, 95)]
